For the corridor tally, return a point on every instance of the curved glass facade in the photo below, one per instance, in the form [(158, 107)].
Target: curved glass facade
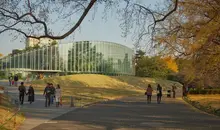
[(78, 57)]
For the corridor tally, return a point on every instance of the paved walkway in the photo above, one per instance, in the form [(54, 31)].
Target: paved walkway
[(35, 113), (134, 114)]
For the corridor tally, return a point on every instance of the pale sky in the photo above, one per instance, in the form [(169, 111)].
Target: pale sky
[(97, 29)]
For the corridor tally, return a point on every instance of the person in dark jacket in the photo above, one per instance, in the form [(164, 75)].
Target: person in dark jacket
[(30, 94), (10, 79), (47, 94), (16, 80), (159, 93), (174, 90), (22, 92), (52, 93)]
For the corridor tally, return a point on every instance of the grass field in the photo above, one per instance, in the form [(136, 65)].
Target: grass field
[(207, 100), (89, 88), (6, 112)]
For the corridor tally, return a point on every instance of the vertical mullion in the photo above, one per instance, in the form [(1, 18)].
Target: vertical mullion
[(51, 56), (47, 56), (18, 61), (38, 59), (55, 58), (71, 57), (89, 64), (10, 62), (74, 56), (82, 49), (59, 50)]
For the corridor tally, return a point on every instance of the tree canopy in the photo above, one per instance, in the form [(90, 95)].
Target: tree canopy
[(34, 18), (192, 34)]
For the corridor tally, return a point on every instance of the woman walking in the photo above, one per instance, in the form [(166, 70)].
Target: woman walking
[(149, 93), (159, 93), (58, 95), (30, 94)]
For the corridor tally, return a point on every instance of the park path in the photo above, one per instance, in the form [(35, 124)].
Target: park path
[(135, 114), (35, 113)]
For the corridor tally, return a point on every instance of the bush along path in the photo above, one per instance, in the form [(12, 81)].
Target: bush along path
[(207, 108)]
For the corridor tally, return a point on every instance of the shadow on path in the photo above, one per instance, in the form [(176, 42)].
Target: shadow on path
[(134, 114)]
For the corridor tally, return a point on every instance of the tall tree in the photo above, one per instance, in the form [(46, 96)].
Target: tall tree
[(193, 33)]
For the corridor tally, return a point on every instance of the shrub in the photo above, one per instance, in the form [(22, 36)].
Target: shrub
[(204, 91), (2, 75)]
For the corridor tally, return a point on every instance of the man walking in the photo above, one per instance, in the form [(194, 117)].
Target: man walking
[(10, 78), (22, 92), (174, 90), (16, 80), (47, 94), (52, 93)]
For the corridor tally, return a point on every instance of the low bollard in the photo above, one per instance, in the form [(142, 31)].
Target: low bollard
[(71, 103), (1, 94), (169, 93)]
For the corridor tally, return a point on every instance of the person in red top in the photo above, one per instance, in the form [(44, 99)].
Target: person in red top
[(149, 93)]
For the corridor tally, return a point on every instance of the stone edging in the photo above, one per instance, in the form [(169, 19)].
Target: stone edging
[(207, 109)]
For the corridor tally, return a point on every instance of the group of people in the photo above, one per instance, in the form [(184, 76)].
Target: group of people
[(13, 80), (50, 93), (149, 92)]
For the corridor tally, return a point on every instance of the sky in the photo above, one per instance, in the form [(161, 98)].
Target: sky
[(96, 29)]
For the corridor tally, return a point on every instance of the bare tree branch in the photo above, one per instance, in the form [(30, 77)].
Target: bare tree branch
[(29, 6), (18, 19), (72, 29), (169, 13)]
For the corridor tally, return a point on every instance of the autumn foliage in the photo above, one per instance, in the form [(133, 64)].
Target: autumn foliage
[(192, 34), (171, 64)]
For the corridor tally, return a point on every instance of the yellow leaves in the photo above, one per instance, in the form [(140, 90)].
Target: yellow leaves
[(194, 47), (1, 55), (171, 63)]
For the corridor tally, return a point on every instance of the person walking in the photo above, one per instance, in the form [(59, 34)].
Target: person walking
[(16, 80), (10, 79), (47, 93), (174, 91), (58, 95), (149, 93), (22, 92), (30, 94), (52, 93), (159, 93)]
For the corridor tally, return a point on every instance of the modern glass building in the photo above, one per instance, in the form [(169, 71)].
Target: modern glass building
[(97, 57)]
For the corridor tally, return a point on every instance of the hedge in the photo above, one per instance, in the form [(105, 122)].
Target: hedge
[(204, 91), (207, 108)]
